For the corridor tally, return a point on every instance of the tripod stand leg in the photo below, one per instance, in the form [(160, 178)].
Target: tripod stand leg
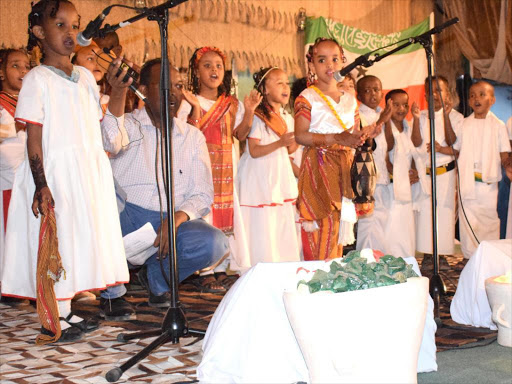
[(122, 337), (115, 373)]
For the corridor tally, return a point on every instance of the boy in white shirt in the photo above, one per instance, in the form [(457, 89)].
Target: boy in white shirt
[(448, 123), (371, 228), (483, 145)]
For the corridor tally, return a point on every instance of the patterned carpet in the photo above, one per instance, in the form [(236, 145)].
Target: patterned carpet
[(87, 361)]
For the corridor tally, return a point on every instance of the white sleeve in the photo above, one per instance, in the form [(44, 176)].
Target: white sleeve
[(257, 126), (423, 123), (7, 125), (503, 138), (509, 128), (200, 198), (30, 107), (457, 119), (239, 114), (119, 132), (183, 110), (93, 87)]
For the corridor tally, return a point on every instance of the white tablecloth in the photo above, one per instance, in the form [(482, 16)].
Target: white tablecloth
[(250, 340), (470, 305)]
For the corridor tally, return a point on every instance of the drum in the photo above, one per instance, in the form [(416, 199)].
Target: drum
[(363, 175)]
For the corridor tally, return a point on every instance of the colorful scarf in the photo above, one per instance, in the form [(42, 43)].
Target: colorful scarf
[(276, 123), (49, 271), (217, 125), (8, 102)]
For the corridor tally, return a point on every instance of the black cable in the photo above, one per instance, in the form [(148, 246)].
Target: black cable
[(432, 147), (165, 182), (159, 153), (119, 129)]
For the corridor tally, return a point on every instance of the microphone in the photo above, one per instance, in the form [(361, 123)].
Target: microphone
[(340, 75), (433, 31), (84, 38), (142, 13), (106, 57)]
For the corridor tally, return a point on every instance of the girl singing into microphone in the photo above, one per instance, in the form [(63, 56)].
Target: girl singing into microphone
[(66, 175)]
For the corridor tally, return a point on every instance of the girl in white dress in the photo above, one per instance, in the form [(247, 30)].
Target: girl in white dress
[(65, 170), (14, 64), (266, 185)]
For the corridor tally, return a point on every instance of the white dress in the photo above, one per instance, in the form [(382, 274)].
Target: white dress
[(445, 189), (267, 191), (80, 179), (12, 153), (371, 228), (239, 258)]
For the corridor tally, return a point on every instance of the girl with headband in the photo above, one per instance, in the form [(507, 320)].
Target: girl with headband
[(265, 181)]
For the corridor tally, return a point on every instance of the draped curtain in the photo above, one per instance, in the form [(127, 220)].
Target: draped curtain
[(484, 35)]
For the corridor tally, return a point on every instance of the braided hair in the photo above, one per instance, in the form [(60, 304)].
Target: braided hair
[(311, 77), (260, 79), (318, 41), (193, 78), (41, 11)]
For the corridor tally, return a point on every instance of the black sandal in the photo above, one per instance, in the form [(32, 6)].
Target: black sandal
[(68, 335), (86, 325), (207, 284), (226, 280)]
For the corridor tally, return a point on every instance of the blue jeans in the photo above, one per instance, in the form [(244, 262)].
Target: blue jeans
[(198, 245)]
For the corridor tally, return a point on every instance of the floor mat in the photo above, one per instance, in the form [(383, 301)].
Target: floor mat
[(87, 361)]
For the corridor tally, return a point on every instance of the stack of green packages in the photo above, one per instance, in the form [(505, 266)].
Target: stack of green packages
[(355, 273)]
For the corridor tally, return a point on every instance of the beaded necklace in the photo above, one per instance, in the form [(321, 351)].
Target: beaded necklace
[(329, 104)]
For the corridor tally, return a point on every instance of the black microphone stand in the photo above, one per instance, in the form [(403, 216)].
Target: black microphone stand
[(437, 286), (175, 323)]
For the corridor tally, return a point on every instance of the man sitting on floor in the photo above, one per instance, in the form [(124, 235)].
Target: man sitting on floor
[(132, 141)]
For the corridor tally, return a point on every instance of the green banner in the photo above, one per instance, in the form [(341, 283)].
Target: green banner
[(358, 41)]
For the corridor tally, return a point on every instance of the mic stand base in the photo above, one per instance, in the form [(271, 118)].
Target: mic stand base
[(174, 326), (437, 288)]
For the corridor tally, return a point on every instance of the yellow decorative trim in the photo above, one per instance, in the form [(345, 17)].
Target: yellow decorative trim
[(329, 104)]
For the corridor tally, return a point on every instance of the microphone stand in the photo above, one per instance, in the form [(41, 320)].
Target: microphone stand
[(437, 286), (175, 323)]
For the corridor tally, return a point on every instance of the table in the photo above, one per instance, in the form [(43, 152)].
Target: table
[(250, 340), (470, 305)]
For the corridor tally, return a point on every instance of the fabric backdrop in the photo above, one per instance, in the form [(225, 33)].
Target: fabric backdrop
[(404, 69), (254, 32)]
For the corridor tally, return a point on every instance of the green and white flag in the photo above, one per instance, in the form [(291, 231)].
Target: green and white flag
[(406, 69)]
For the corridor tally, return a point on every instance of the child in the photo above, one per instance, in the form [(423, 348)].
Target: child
[(265, 180), (323, 121), (483, 144), (406, 168), (371, 228), (448, 123), (14, 64), (221, 118), (111, 42), (87, 57), (348, 85), (65, 170)]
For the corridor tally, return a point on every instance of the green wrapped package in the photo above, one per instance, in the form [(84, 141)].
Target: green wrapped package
[(355, 273)]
